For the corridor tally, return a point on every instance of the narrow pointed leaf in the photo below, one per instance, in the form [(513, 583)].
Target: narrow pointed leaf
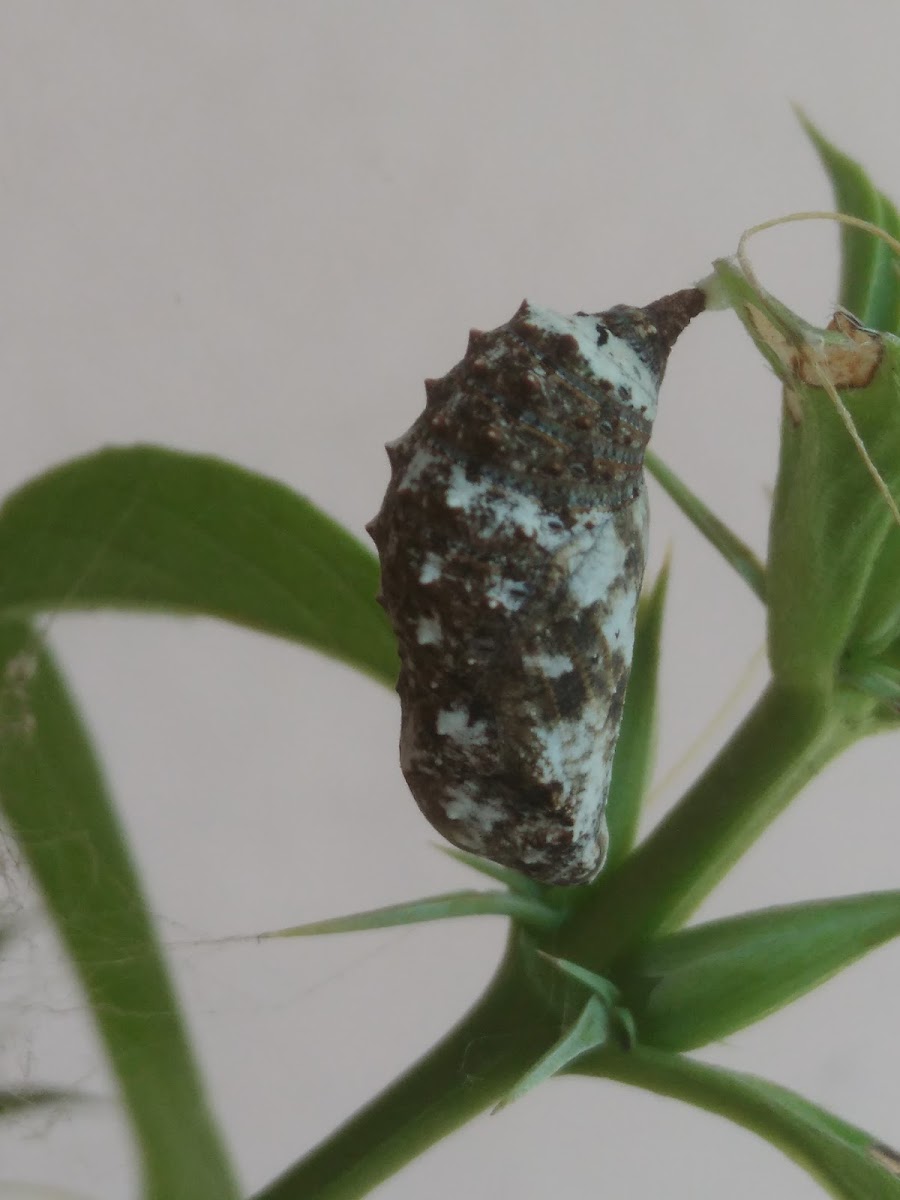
[(514, 880), (603, 988), (704, 983), (590, 1031), (848, 1162), (735, 552), (151, 529), (522, 909), (870, 286), (635, 749), (54, 803)]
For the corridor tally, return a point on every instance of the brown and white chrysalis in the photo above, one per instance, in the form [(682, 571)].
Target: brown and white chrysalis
[(512, 540)]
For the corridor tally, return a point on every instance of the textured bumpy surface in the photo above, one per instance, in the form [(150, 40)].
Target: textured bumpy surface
[(512, 541)]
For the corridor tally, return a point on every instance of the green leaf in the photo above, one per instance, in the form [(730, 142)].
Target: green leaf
[(848, 1162), (151, 529), (598, 985), (514, 880), (735, 552), (703, 983), (526, 911), (635, 749), (54, 804), (603, 989), (592, 1029), (870, 285)]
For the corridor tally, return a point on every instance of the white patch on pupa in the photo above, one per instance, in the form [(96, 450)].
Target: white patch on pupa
[(499, 504), (428, 631), (416, 467), (553, 666), (510, 594), (597, 560), (617, 624), (564, 748), (455, 723), (432, 568), (479, 816)]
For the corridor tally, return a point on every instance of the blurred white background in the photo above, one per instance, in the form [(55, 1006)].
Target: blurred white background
[(251, 230)]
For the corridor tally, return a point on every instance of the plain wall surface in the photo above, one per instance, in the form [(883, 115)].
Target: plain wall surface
[(252, 230)]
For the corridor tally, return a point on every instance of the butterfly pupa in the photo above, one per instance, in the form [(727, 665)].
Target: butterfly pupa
[(512, 540)]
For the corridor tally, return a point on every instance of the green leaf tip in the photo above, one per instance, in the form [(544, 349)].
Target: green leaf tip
[(524, 910), (603, 988), (590, 1030), (870, 285), (514, 880)]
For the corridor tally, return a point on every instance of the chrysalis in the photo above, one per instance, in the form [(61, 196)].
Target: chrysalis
[(512, 541)]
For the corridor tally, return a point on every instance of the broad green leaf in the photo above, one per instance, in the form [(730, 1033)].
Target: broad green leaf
[(870, 286), (523, 909), (53, 802), (848, 1162), (703, 983), (145, 528), (592, 1029), (635, 749), (735, 552)]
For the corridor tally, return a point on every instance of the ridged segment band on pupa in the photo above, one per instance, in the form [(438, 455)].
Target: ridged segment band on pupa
[(512, 540)]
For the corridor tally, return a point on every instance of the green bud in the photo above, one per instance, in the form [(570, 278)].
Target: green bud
[(833, 574)]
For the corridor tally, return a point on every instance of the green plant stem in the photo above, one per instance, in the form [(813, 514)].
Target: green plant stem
[(469, 1070), (783, 742)]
